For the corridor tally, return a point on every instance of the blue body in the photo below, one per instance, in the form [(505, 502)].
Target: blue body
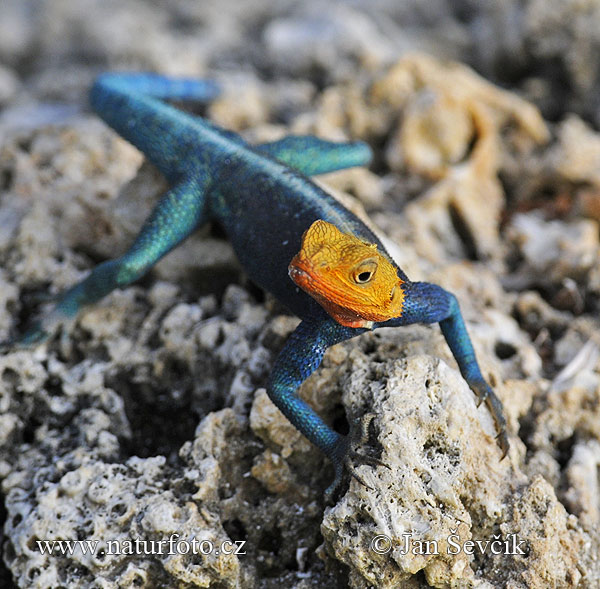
[(264, 200)]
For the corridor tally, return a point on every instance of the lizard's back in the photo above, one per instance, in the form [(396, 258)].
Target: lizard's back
[(265, 207)]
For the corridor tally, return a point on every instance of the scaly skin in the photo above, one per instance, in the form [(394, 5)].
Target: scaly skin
[(348, 277), (343, 281)]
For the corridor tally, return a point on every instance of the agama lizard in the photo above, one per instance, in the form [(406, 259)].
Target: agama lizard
[(292, 237)]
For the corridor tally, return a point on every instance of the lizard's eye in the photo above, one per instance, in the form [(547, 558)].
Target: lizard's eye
[(364, 272)]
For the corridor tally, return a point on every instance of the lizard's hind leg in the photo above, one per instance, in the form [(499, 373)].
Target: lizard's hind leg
[(176, 215)]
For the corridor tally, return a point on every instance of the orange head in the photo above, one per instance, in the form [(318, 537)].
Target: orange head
[(349, 278)]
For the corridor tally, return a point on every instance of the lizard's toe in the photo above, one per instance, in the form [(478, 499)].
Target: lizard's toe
[(35, 334), (345, 458), (502, 441)]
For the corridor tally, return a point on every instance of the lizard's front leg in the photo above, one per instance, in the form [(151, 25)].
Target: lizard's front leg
[(299, 358), (313, 155), (429, 303)]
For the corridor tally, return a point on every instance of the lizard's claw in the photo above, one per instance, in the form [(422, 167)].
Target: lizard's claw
[(346, 458), (502, 441), (494, 405), (352, 457)]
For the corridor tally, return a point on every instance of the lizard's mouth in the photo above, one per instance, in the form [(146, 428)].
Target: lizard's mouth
[(303, 278), (299, 272), (348, 277), (300, 277)]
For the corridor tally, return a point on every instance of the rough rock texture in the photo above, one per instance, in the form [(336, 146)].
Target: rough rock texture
[(146, 420)]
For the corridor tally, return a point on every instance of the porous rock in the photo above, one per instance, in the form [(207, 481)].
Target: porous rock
[(148, 416)]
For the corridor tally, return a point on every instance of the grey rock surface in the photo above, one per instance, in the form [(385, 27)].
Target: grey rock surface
[(146, 421)]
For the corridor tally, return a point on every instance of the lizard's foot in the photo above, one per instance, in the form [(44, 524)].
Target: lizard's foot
[(502, 441), (37, 332), (494, 406), (345, 458)]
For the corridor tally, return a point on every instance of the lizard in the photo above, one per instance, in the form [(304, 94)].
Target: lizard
[(292, 237)]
